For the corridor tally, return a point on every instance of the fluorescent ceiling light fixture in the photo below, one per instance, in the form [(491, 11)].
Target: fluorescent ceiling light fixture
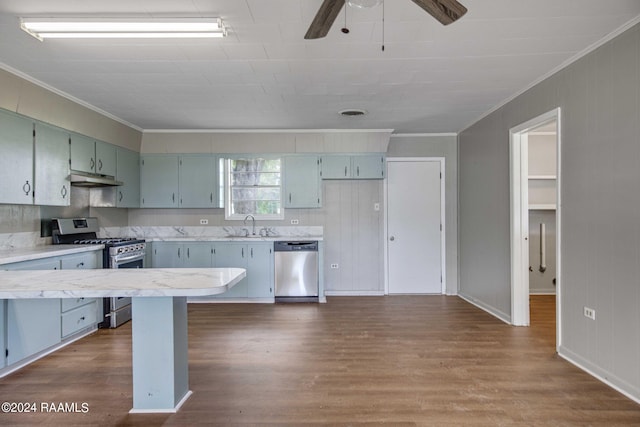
[(100, 28)]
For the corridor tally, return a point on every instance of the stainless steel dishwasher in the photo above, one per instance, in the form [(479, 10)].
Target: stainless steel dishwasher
[(296, 271)]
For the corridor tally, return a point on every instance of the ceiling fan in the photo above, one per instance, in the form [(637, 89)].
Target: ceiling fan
[(445, 11)]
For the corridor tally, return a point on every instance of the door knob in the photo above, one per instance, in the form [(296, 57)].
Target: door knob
[(392, 238)]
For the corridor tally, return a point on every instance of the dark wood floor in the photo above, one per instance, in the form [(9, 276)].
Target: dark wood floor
[(353, 361)]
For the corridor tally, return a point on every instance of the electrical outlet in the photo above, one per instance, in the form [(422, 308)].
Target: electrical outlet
[(376, 207), (590, 313), (335, 266), (295, 222), (204, 221)]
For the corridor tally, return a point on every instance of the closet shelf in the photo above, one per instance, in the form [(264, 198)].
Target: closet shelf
[(542, 207)]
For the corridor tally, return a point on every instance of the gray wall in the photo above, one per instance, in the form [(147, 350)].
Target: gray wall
[(438, 146), (600, 153)]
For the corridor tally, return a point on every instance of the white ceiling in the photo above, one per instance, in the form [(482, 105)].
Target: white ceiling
[(264, 75)]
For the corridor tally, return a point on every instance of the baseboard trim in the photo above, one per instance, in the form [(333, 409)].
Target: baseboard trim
[(616, 383), (484, 307), (354, 293), (544, 292)]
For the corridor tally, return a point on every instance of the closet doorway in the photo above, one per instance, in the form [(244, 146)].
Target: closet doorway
[(535, 219)]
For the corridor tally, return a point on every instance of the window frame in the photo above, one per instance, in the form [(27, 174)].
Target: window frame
[(226, 163)]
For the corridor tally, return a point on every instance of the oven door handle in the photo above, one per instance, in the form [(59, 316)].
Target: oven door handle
[(121, 259)]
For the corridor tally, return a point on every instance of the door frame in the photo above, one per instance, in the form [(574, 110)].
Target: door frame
[(519, 203), (443, 255)]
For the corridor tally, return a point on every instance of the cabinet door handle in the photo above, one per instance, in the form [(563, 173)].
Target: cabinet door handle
[(345, 171), (242, 252), (81, 319), (63, 191), (188, 253), (26, 188), (173, 197), (211, 197), (80, 265), (358, 170), (99, 164), (178, 252), (289, 197), (92, 163), (251, 252), (120, 192)]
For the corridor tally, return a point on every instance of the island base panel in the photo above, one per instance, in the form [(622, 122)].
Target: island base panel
[(160, 354)]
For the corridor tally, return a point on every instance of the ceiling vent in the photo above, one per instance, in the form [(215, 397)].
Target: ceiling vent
[(353, 113)]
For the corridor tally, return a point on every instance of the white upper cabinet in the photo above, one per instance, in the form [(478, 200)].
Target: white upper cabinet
[(51, 166), (357, 166), (16, 161), (128, 172), (159, 181), (198, 181), (91, 156), (302, 182)]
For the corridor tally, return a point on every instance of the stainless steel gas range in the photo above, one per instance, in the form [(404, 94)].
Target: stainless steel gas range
[(118, 252)]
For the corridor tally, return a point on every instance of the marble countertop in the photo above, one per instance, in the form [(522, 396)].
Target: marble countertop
[(232, 239), (8, 256), (147, 282)]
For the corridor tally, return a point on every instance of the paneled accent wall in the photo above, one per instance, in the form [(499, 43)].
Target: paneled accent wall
[(600, 236)]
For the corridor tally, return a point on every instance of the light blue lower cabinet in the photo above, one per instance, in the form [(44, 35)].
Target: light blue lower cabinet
[(260, 271), (81, 316), (232, 255), (256, 258), (32, 324)]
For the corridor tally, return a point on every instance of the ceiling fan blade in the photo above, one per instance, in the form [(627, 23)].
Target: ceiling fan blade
[(321, 24), (445, 11)]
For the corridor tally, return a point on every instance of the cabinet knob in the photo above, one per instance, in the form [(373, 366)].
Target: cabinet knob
[(392, 238), (100, 164), (92, 163)]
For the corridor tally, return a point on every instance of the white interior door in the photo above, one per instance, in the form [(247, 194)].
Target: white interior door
[(414, 219)]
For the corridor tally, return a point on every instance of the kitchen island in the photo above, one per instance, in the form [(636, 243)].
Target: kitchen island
[(159, 324)]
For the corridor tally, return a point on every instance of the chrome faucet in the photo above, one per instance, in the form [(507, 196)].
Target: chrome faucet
[(253, 227)]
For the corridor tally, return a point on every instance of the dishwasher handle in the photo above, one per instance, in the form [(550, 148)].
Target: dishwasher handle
[(311, 246)]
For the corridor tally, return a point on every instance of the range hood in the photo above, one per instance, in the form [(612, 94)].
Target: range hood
[(82, 179)]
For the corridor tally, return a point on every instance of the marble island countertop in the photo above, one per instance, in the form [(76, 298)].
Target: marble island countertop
[(148, 282), (8, 256)]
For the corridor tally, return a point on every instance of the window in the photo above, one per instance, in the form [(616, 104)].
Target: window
[(253, 186)]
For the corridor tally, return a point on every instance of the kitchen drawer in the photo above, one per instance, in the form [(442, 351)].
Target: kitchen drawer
[(79, 318), (71, 303)]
